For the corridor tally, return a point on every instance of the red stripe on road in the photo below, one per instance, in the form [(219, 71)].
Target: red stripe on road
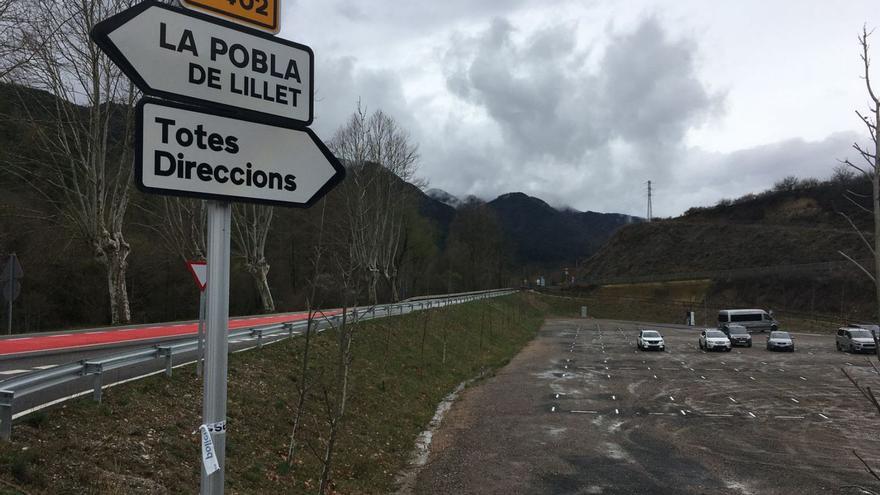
[(122, 335)]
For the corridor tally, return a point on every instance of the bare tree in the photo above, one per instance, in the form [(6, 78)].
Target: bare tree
[(336, 395), (381, 159), (84, 131), (13, 19), (181, 223), (312, 303), (869, 167), (251, 225)]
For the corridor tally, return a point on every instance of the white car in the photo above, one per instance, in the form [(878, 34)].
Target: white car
[(714, 340), (650, 339)]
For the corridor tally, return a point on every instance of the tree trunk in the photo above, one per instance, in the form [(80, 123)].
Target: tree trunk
[(343, 366), (303, 389), (372, 293), (395, 296), (875, 181), (112, 252), (260, 272)]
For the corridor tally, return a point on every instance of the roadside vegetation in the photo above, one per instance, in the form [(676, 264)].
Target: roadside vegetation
[(141, 438), (668, 302)]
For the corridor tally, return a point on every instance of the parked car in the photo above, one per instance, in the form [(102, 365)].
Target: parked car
[(874, 329), (738, 335), (650, 339), (753, 319), (851, 339), (780, 341), (714, 340)]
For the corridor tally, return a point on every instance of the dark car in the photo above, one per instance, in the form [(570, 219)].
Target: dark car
[(738, 335), (780, 341)]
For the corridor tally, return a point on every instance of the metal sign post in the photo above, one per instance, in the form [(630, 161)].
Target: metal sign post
[(214, 405), (230, 128), (200, 346), (11, 286)]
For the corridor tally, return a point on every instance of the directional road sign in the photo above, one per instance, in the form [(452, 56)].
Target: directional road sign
[(195, 58), (261, 14), (216, 155)]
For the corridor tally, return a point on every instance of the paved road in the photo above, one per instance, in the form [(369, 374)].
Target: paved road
[(580, 411), (30, 344), (45, 351)]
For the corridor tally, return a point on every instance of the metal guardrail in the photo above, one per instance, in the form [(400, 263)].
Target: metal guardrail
[(20, 386)]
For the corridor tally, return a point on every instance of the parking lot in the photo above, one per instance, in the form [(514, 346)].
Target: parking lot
[(582, 411)]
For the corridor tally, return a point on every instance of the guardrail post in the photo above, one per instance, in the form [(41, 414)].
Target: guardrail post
[(289, 328), (7, 397), (96, 370), (259, 333), (165, 351)]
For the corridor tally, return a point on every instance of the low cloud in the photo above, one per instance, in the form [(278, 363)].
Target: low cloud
[(535, 110), (573, 130)]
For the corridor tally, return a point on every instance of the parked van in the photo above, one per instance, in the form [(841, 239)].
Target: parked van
[(755, 320)]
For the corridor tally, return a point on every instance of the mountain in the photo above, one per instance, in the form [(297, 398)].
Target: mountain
[(780, 248), (444, 197), (542, 234), (775, 228), (537, 232)]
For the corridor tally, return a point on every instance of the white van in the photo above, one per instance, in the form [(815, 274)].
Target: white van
[(753, 319)]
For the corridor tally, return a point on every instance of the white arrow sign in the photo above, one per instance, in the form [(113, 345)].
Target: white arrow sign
[(214, 155), (195, 58)]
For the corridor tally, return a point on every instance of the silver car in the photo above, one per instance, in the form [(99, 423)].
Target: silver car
[(780, 341), (855, 340)]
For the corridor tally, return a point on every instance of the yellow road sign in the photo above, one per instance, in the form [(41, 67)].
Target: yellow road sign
[(261, 14)]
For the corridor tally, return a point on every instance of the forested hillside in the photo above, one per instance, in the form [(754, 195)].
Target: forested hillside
[(794, 223), (437, 249), (783, 248)]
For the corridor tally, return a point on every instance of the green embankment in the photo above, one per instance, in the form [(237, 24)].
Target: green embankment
[(141, 439), (668, 302)]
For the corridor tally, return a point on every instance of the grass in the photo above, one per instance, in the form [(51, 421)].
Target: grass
[(655, 304), (141, 439), (683, 290)]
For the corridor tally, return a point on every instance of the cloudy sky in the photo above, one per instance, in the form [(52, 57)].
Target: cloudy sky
[(581, 102)]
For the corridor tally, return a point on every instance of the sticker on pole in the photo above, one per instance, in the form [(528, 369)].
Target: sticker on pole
[(199, 271), (210, 154), (209, 455), (261, 14)]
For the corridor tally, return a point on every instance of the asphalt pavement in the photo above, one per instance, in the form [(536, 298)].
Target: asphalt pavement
[(32, 353), (582, 411)]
